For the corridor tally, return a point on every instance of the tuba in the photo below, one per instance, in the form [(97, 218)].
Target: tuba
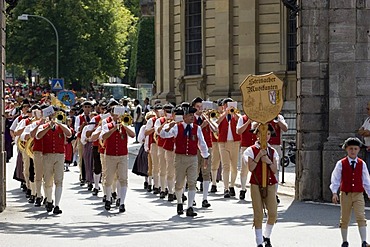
[(21, 145), (29, 147), (126, 119)]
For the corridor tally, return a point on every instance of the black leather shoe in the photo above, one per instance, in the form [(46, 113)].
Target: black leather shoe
[(162, 195), (227, 194), (114, 195), (118, 202), (345, 244), (194, 203), (38, 202), (57, 210), (155, 191), (28, 193), (89, 187), (122, 208), (184, 198), (49, 206), (95, 192), (267, 242), (364, 244), (145, 185), (213, 188), (205, 204), (171, 197), (232, 191), (31, 199), (24, 187), (82, 182), (190, 212), (180, 209), (260, 245), (104, 198), (74, 163), (242, 195), (149, 189), (166, 191), (107, 205), (277, 200)]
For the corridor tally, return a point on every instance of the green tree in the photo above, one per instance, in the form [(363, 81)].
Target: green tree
[(92, 38)]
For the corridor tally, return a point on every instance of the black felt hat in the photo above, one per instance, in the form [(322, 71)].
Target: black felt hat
[(352, 141)]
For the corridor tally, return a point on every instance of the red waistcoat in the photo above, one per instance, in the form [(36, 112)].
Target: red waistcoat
[(206, 133), (248, 138), (224, 127), (277, 139), (257, 172), (116, 144), (97, 120), (351, 179), (54, 141), (82, 120), (151, 136), (169, 144), (161, 140), (184, 144), (37, 144)]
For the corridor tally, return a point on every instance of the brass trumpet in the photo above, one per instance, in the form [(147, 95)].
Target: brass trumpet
[(233, 110), (126, 119), (61, 117)]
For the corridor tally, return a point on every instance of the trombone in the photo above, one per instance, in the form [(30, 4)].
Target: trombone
[(211, 116), (233, 110)]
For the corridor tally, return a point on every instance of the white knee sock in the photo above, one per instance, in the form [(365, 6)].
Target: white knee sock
[(205, 189), (191, 196), (109, 192), (96, 180), (268, 230), (243, 181), (58, 195), (259, 237), (362, 230), (118, 189), (123, 191), (344, 233), (179, 196)]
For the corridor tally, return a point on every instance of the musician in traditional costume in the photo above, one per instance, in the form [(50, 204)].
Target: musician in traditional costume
[(80, 122), (28, 135), (188, 138), (216, 167), (18, 172), (158, 125), (25, 158), (204, 123), (153, 149), (115, 136), (262, 199), (229, 144), (53, 134), (247, 139)]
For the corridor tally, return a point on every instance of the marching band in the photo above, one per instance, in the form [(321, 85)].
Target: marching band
[(181, 145)]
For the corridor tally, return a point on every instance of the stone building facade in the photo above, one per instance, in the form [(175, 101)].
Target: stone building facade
[(207, 48)]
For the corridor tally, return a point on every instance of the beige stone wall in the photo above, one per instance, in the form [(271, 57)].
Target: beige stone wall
[(240, 38)]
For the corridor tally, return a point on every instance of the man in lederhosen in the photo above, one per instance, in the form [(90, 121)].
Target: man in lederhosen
[(188, 138), (53, 135)]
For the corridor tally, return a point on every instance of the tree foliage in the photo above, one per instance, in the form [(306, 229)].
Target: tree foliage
[(92, 38)]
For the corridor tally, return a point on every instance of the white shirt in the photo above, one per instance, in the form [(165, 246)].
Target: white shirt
[(336, 176), (21, 124), (25, 132), (366, 126), (83, 134), (143, 139), (201, 142), (249, 153), (240, 123), (97, 131), (77, 122), (149, 124)]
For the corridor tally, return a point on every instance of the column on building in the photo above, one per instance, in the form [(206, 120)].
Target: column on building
[(223, 84), (312, 101)]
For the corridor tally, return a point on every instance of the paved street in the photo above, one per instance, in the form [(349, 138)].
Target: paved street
[(150, 221)]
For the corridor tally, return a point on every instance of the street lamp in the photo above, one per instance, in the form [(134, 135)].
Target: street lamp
[(24, 17)]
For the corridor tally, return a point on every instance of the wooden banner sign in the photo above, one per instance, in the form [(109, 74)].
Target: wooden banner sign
[(262, 102), (262, 97)]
